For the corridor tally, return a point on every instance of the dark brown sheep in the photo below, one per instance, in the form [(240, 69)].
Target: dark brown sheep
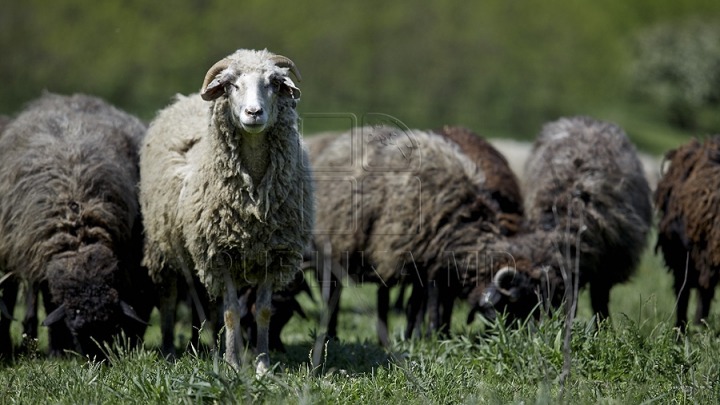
[(688, 200), (69, 209)]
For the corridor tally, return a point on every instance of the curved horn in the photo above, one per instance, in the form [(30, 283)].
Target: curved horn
[(130, 312), (54, 316), (213, 71), (500, 276), (282, 61)]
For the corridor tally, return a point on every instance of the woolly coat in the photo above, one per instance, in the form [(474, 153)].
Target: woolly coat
[(200, 205), (500, 181), (583, 172), (397, 205), (69, 211)]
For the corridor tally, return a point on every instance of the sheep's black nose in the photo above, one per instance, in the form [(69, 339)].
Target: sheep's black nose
[(254, 112)]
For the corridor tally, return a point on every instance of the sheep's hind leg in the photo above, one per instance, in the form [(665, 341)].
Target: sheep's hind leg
[(168, 304), (10, 292), (599, 297), (263, 313), (383, 297), (682, 292), (705, 296), (415, 310)]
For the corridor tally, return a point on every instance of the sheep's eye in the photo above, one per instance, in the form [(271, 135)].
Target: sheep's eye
[(274, 85)]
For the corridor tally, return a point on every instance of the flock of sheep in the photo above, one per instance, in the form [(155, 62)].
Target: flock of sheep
[(219, 197)]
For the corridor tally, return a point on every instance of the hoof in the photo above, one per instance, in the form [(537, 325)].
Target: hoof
[(261, 369), (233, 362)]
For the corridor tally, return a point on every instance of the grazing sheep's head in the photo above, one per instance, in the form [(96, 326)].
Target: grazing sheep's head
[(81, 284), (512, 292), (506, 293), (252, 81)]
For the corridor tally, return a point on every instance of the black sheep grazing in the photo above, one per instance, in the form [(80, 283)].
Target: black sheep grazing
[(688, 200), (69, 209), (586, 204)]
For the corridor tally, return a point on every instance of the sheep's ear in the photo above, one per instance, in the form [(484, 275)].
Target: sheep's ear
[(215, 89), (288, 89), (54, 316), (128, 310)]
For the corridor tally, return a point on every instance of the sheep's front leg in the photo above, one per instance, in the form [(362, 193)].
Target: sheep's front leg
[(263, 312), (233, 335), (30, 322)]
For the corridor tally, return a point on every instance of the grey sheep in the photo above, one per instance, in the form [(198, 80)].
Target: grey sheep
[(70, 220), (587, 205), (227, 190), (688, 201), (392, 214)]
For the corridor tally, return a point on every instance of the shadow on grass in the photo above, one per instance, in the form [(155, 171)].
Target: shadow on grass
[(352, 357)]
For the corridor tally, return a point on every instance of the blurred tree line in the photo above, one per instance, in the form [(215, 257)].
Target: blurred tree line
[(500, 67)]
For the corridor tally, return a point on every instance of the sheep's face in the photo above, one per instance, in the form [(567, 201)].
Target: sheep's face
[(253, 100), (517, 295), (82, 283), (513, 294), (253, 95)]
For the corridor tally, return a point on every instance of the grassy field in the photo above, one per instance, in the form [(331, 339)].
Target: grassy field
[(637, 358)]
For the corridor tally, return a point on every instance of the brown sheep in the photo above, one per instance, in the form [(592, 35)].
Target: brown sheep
[(391, 215), (688, 200)]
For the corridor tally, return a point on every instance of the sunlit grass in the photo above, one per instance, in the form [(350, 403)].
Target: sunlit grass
[(639, 358)]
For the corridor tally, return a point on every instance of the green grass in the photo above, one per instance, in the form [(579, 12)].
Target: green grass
[(636, 358)]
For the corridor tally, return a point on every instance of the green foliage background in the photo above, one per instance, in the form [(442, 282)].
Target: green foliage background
[(499, 67)]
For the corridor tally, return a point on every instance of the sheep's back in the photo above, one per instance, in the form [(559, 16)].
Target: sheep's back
[(317, 143), (67, 162), (167, 159), (500, 181)]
